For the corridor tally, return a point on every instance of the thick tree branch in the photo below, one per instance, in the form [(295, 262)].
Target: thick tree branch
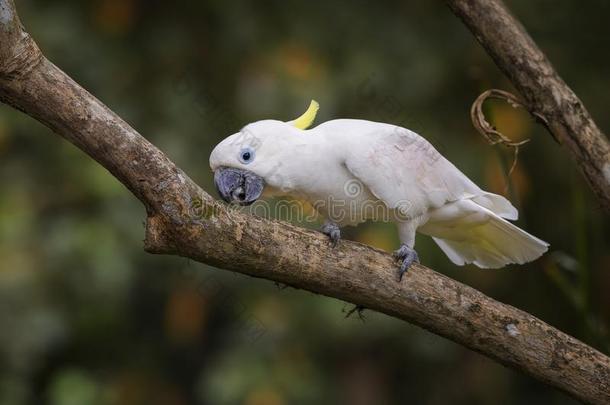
[(546, 94), (184, 220)]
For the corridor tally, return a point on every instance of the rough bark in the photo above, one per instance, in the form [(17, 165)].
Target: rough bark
[(545, 93), (184, 220)]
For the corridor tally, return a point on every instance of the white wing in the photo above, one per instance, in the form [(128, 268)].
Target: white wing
[(403, 169)]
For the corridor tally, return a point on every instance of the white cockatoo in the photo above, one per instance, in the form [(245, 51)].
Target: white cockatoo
[(355, 170)]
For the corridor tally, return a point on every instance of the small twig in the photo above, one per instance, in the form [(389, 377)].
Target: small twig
[(356, 308), (511, 169), (280, 286), (490, 133)]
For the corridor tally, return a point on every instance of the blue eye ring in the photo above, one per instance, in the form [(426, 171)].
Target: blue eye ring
[(246, 155)]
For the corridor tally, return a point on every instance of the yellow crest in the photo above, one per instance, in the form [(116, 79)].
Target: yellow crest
[(305, 120)]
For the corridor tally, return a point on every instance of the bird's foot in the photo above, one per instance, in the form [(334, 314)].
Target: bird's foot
[(407, 256), (332, 230)]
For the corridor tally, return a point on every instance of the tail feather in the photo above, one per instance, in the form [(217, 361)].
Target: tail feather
[(497, 204), (492, 244)]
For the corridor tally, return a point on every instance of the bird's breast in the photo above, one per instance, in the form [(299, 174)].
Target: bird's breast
[(345, 200)]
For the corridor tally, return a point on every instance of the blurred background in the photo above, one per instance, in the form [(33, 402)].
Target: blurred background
[(86, 317)]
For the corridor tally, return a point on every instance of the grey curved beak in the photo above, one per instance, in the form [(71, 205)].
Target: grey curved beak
[(238, 186)]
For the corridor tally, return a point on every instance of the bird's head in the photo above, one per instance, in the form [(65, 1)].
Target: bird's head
[(246, 161)]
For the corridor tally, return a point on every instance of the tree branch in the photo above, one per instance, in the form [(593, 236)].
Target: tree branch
[(546, 94), (184, 220)]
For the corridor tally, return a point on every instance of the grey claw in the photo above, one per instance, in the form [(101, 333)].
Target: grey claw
[(333, 232), (335, 236), (408, 256)]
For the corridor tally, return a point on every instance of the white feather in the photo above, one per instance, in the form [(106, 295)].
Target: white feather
[(394, 166)]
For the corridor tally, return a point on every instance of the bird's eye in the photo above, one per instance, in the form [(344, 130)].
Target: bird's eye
[(246, 155)]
